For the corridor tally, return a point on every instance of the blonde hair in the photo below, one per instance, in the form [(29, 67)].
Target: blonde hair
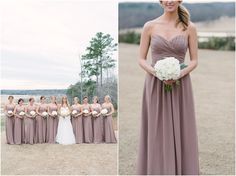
[(96, 97), (77, 99), (184, 16), (108, 97)]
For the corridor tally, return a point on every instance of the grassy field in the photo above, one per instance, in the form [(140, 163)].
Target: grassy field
[(213, 84)]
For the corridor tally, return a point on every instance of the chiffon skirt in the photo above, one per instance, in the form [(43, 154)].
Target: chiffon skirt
[(168, 139)]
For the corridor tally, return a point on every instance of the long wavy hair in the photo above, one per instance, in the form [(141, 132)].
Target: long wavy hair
[(67, 102), (184, 16)]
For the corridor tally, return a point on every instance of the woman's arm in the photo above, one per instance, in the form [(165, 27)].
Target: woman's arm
[(193, 50), (48, 109), (112, 110), (81, 112), (26, 114), (16, 115), (37, 110), (144, 47)]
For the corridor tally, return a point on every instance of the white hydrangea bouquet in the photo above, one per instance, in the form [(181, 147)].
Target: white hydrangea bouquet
[(65, 112), (44, 114), (94, 113), (22, 113), (104, 112), (33, 113), (54, 113), (85, 111), (10, 113), (168, 69), (74, 112)]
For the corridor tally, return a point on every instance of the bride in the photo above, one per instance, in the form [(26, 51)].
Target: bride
[(65, 133)]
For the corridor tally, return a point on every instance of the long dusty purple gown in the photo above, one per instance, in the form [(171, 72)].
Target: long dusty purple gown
[(88, 130), (97, 127), (29, 125), (19, 126), (40, 125), (9, 124), (52, 123), (109, 134), (168, 137), (77, 124)]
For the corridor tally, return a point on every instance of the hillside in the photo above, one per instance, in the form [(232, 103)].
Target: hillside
[(132, 15)]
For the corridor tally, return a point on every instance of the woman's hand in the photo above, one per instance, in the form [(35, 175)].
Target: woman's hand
[(169, 82)]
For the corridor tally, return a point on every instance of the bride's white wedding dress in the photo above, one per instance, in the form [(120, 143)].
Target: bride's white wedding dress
[(65, 133)]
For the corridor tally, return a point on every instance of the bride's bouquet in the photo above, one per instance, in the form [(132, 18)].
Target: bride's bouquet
[(44, 114), (65, 113), (104, 112), (168, 69)]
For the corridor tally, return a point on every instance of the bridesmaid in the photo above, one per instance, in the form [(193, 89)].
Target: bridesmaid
[(52, 120), (9, 112), (97, 121), (41, 121), (77, 121), (168, 143), (19, 113), (109, 134), (87, 121), (29, 127)]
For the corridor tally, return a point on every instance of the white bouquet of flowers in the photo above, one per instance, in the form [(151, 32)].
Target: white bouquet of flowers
[(10, 113), (44, 114), (94, 113), (104, 112), (54, 113), (74, 112), (32, 113), (22, 113), (64, 113), (85, 111), (168, 69)]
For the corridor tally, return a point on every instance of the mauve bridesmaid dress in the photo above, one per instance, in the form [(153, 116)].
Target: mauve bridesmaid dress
[(88, 130), (10, 124), (168, 138), (19, 126), (109, 134), (29, 125), (77, 124), (41, 125), (52, 123), (97, 127)]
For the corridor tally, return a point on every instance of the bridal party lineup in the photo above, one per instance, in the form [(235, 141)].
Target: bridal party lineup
[(41, 122)]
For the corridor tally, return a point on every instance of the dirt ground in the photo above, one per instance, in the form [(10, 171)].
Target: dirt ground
[(213, 86), (55, 159)]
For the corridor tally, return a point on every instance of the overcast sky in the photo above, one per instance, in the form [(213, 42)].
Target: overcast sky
[(41, 39)]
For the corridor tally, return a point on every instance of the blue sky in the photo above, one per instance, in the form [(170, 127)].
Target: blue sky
[(41, 40)]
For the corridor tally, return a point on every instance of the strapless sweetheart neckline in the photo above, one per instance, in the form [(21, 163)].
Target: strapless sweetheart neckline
[(171, 39)]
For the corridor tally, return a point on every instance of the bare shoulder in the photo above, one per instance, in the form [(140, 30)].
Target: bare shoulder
[(148, 26), (192, 27)]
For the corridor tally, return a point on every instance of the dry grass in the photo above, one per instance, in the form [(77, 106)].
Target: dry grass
[(55, 159)]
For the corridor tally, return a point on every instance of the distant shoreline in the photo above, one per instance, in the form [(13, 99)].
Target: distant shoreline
[(33, 91)]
